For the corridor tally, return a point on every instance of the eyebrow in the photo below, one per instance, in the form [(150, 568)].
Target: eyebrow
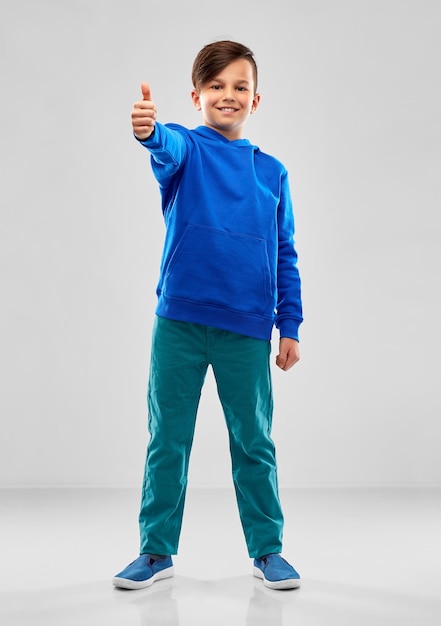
[(240, 81)]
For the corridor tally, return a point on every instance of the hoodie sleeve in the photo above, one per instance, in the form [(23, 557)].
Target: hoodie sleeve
[(289, 304), (168, 150)]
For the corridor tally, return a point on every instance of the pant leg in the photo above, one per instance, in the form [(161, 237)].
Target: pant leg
[(242, 370), (177, 373)]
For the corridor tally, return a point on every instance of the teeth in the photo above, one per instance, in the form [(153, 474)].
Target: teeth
[(230, 110)]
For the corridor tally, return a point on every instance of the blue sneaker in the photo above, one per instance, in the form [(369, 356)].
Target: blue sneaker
[(144, 571), (276, 572)]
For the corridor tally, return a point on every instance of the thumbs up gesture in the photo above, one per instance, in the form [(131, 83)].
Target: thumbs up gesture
[(144, 114)]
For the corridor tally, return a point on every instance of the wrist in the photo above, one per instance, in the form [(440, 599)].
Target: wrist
[(143, 139)]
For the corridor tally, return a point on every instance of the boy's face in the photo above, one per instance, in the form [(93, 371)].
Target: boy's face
[(227, 100)]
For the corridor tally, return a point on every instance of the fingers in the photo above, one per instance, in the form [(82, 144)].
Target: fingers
[(284, 362), (144, 114), (288, 354)]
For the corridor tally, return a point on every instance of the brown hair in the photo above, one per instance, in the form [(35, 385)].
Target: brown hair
[(214, 57)]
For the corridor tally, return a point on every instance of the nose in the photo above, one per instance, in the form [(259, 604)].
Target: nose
[(228, 94)]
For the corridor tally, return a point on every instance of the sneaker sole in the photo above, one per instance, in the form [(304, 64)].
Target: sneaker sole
[(126, 583), (290, 583)]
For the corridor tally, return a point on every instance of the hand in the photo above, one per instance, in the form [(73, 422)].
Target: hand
[(144, 114), (289, 353)]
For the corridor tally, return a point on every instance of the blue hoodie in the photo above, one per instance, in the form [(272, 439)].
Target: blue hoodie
[(229, 259)]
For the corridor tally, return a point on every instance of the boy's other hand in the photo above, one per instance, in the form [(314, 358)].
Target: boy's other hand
[(289, 353), (144, 114)]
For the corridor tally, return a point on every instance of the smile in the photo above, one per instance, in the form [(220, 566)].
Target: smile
[(227, 109)]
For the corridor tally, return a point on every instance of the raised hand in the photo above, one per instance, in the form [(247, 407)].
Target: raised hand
[(144, 114)]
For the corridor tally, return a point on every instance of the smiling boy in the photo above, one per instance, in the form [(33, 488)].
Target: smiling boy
[(228, 274), (228, 99)]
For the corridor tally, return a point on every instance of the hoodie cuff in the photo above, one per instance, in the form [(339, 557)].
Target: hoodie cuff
[(289, 327)]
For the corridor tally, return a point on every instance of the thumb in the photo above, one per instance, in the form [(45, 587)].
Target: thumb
[(146, 93)]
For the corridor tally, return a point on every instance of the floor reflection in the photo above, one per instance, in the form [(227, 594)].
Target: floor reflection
[(266, 608), (240, 601), (244, 601), (156, 605)]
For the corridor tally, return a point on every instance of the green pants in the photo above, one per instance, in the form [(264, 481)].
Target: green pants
[(181, 354)]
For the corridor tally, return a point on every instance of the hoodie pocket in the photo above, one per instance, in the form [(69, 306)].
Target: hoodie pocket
[(220, 268)]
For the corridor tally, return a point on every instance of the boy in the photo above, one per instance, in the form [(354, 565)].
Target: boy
[(228, 274)]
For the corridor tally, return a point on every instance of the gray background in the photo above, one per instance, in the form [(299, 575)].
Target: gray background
[(350, 103)]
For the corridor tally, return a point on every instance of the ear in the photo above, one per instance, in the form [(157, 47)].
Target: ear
[(255, 104), (196, 99)]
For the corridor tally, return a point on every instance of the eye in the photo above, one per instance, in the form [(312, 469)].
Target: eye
[(242, 89), (216, 87)]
